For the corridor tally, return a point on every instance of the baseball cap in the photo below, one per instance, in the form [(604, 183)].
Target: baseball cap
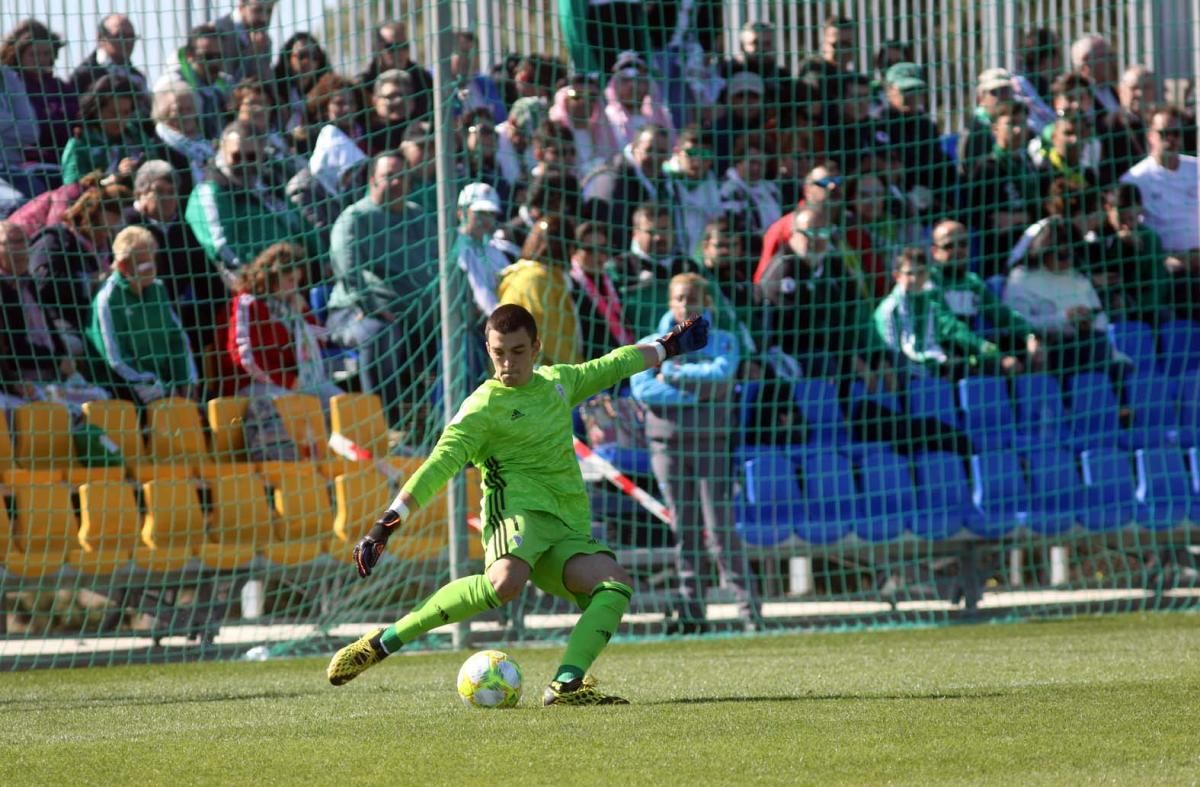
[(905, 77), (479, 196), (994, 78), (526, 114), (745, 82)]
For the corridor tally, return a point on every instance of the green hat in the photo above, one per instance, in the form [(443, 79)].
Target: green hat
[(906, 77), (526, 114)]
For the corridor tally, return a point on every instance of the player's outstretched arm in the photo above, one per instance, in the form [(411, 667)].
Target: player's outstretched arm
[(685, 337), (371, 546)]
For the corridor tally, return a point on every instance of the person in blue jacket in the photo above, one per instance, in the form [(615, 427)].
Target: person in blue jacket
[(690, 415)]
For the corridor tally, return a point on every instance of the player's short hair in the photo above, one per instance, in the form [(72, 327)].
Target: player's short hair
[(510, 318)]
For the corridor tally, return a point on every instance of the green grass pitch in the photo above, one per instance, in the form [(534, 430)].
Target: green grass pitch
[(1113, 700)]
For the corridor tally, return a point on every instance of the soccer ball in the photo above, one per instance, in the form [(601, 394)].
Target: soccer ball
[(490, 679)]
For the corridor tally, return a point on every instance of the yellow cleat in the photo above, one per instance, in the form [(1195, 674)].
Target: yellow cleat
[(352, 660), (581, 691)]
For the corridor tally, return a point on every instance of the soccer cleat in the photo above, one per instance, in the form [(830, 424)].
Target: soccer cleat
[(352, 660), (581, 691)]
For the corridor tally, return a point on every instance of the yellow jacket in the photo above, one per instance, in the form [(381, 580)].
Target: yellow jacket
[(543, 291)]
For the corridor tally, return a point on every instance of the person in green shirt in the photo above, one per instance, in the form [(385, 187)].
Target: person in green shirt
[(110, 137), (516, 427), (968, 297)]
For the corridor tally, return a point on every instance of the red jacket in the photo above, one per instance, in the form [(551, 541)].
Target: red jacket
[(779, 233), (260, 347)]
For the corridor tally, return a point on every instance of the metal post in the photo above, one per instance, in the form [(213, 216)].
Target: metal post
[(441, 44)]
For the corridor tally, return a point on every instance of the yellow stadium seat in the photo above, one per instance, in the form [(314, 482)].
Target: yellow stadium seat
[(176, 433), (173, 531), (360, 498), (226, 416), (359, 418), (118, 419), (304, 516), (45, 529), (45, 443), (305, 423), (241, 521), (109, 521)]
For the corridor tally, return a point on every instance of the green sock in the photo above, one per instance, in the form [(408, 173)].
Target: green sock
[(595, 628), (454, 602)]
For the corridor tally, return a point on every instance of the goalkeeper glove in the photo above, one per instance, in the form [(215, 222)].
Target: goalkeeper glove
[(370, 548), (685, 337)]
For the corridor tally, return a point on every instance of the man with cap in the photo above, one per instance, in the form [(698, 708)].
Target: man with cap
[(906, 126), (514, 151), (993, 90), (478, 259)]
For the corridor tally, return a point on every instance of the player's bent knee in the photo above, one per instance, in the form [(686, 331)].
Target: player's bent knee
[(508, 577)]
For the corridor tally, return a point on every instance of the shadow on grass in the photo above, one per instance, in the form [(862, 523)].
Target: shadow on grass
[(15, 705), (828, 698)]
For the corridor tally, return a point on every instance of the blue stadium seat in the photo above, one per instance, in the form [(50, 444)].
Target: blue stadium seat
[(1111, 495), (987, 412), (933, 397), (630, 460), (1057, 493), (1153, 398), (1136, 339), (1165, 488), (822, 410), (943, 496), (771, 504), (1188, 396), (832, 505), (1041, 419), (748, 403), (1180, 347), (1095, 414), (1000, 494), (885, 398), (889, 499)]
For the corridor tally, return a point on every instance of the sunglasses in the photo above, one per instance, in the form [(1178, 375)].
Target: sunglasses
[(960, 243), (484, 131), (827, 182), (821, 233)]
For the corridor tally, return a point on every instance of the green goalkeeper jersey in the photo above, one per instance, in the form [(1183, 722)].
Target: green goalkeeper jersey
[(521, 440)]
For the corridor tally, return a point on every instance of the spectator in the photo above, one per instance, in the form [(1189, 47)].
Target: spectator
[(245, 40), (758, 53), (693, 188), (1072, 98), (681, 36), (232, 215), (578, 107), (602, 324), (1040, 55), (993, 92), (30, 49), (478, 146), (70, 259), (1123, 131), (199, 65), (115, 41), (742, 113), (476, 256), (644, 270), (552, 193), (880, 228), (332, 100), (798, 144), (1093, 58), (535, 76), (822, 190), (109, 138), (335, 150), (689, 423), (31, 351), (272, 343), (631, 101), (392, 108), (385, 299), (726, 261), (1132, 278), (134, 333), (18, 131), (745, 190), (1064, 157), (633, 177), (890, 53), (929, 175), (1167, 181), (191, 282), (393, 51), (49, 207), (610, 29), (967, 296), (848, 141), (1003, 190), (300, 65), (178, 130), (553, 147), (1060, 302), (473, 88), (250, 103), (828, 74), (1080, 205), (539, 283), (923, 336)]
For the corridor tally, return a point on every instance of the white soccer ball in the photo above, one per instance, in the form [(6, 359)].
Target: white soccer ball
[(489, 679)]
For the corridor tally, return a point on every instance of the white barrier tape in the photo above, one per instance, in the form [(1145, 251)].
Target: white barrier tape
[(588, 458)]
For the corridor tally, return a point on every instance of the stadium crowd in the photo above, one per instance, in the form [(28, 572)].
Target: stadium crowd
[(252, 216)]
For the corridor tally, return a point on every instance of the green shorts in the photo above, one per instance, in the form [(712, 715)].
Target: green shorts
[(543, 541)]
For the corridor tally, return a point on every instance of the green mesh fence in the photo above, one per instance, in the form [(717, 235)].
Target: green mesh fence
[(948, 255)]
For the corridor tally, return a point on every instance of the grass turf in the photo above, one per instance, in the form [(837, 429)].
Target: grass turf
[(1099, 699)]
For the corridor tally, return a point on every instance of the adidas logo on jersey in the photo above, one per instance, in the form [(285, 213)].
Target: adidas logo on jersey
[(517, 414)]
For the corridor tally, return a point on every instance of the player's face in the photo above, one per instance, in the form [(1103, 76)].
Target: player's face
[(513, 355)]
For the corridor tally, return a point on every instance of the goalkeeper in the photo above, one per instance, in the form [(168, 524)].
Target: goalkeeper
[(516, 428)]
